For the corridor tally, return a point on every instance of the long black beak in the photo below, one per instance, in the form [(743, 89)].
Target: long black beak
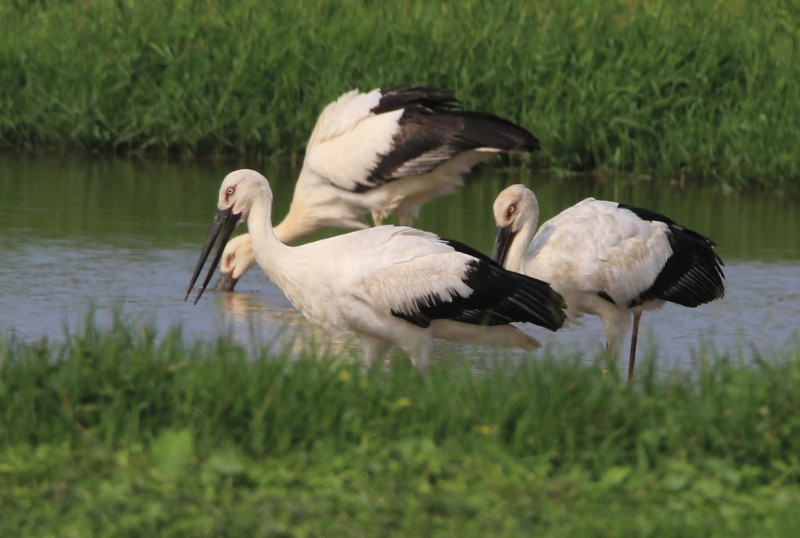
[(502, 242), (224, 223)]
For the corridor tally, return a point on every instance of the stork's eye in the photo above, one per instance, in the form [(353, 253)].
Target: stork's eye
[(229, 192), (511, 210)]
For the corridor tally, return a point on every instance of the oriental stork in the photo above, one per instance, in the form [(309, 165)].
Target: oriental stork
[(388, 284), (385, 152), (607, 259)]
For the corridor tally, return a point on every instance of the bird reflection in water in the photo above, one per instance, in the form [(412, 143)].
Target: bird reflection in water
[(290, 333)]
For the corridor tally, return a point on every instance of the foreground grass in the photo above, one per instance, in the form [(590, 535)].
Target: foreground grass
[(120, 432), (676, 89)]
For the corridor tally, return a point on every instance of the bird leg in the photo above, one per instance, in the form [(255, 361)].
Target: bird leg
[(609, 349), (405, 219), (373, 346), (418, 347), (637, 315)]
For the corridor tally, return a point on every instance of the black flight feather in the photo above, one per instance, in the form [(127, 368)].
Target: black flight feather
[(433, 130), (693, 273), (499, 297)]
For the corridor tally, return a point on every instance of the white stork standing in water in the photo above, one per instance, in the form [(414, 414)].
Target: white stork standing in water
[(386, 152), (607, 259), (388, 284)]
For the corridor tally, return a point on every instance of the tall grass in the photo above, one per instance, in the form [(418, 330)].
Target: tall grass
[(676, 89), (124, 431), (124, 384)]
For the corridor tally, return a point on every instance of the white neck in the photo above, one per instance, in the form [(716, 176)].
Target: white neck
[(517, 253), (318, 204), (293, 227), (269, 252)]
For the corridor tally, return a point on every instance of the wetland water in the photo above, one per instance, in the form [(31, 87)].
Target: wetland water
[(82, 234)]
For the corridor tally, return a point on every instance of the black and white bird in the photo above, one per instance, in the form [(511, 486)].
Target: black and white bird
[(387, 152), (607, 259), (388, 284)]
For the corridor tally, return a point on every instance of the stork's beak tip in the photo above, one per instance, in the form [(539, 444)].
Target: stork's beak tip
[(225, 282), (224, 223)]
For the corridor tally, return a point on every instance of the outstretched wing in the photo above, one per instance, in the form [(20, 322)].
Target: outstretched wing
[(362, 141)]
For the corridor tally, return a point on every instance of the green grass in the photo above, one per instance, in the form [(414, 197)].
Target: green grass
[(679, 90), (122, 431)]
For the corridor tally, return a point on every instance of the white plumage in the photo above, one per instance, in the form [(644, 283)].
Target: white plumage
[(388, 284), (386, 152), (607, 259)]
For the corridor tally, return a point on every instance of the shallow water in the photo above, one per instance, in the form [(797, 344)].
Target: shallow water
[(81, 234)]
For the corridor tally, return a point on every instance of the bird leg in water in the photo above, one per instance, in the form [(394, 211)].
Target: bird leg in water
[(637, 315), (609, 349)]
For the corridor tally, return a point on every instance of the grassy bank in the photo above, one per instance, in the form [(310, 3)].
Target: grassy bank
[(671, 89), (123, 432)]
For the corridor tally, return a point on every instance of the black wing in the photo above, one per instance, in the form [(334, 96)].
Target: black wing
[(432, 131), (499, 297), (693, 273)]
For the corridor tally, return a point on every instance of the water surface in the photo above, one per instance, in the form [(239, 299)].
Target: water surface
[(83, 233)]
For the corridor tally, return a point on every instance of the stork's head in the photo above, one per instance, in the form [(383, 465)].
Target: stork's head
[(236, 196), (515, 209), (237, 258), (239, 189)]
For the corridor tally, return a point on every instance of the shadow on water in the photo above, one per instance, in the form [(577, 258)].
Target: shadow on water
[(81, 232)]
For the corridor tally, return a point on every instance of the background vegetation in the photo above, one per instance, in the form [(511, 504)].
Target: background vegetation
[(678, 89), (125, 432)]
